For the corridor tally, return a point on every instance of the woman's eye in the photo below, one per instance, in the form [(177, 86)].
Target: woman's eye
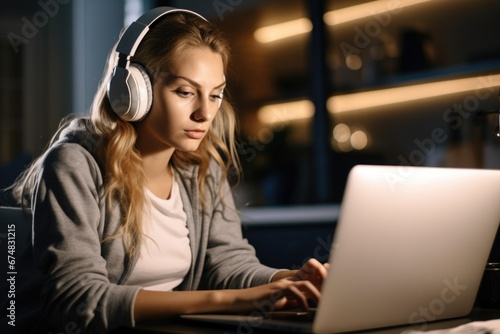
[(219, 96), (183, 93)]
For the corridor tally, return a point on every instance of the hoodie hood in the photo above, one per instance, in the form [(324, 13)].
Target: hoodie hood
[(80, 131)]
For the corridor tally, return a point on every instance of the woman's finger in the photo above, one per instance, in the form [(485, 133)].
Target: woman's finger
[(304, 290), (298, 296)]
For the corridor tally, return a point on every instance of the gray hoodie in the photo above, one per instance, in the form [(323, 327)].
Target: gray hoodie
[(70, 280)]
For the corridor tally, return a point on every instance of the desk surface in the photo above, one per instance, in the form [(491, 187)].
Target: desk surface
[(190, 327)]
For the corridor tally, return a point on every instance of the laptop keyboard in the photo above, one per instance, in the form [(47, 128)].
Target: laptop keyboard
[(299, 316)]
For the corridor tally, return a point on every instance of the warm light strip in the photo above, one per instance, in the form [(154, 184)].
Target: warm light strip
[(381, 97), (289, 111), (356, 12), (283, 30), (285, 112), (303, 25)]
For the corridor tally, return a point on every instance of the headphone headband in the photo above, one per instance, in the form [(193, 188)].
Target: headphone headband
[(137, 30)]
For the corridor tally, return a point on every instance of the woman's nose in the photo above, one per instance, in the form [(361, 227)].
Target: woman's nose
[(204, 111)]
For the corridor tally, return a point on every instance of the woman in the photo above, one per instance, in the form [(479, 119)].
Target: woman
[(133, 216)]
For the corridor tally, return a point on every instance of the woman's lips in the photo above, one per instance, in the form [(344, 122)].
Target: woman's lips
[(195, 134)]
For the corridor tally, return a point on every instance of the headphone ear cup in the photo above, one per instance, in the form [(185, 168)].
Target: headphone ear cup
[(141, 93), (130, 93)]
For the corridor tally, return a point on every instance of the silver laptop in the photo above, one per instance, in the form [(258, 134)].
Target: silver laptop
[(410, 247)]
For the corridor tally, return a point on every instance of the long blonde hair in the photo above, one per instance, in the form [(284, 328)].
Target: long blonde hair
[(124, 175)]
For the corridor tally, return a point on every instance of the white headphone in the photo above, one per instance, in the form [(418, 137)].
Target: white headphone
[(129, 88)]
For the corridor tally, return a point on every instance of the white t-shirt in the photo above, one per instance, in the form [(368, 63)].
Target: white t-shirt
[(165, 255)]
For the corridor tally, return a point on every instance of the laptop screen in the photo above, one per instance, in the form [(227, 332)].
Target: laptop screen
[(410, 246)]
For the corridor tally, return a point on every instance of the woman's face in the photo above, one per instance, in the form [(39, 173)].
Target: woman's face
[(185, 102)]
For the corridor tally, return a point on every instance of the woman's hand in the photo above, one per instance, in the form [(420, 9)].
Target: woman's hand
[(288, 289), (312, 271), (280, 294), (284, 293)]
